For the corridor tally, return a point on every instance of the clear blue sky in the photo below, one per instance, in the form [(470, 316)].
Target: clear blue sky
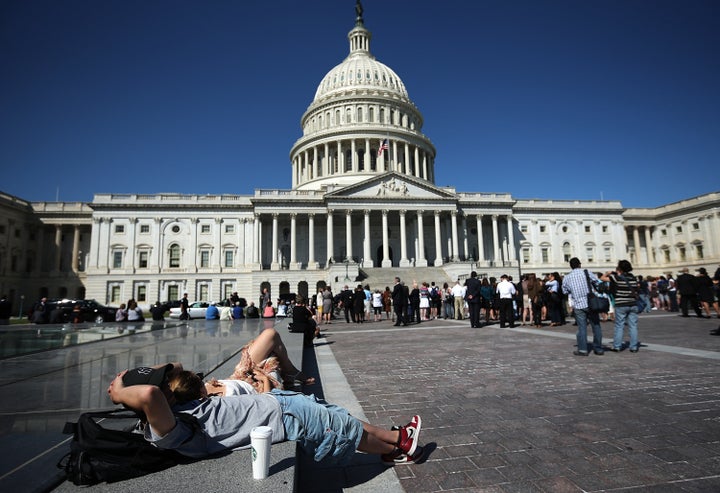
[(556, 99)]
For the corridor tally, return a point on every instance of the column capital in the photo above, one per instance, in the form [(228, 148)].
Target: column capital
[(275, 215), (402, 212), (367, 212), (219, 220), (311, 215), (293, 215), (385, 212), (420, 212), (348, 212)]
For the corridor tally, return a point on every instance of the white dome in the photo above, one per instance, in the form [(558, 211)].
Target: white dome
[(360, 71)]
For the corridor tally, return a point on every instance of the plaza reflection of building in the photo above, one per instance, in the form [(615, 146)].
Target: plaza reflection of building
[(363, 205)]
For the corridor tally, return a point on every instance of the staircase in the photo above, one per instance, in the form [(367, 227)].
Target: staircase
[(379, 278)]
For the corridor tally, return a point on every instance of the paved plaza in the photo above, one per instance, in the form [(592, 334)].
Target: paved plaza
[(504, 410), (512, 410)]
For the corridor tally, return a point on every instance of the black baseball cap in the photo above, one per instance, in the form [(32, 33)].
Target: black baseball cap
[(144, 375)]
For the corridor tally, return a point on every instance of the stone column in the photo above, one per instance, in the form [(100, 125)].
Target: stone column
[(367, 255), (404, 262), (438, 241), (396, 165), (497, 254), (480, 242), (648, 246), (95, 233), (330, 246), (636, 244), (367, 158), (386, 262), (156, 254), (274, 265), (194, 221), (76, 249), (453, 225), (315, 166), (418, 166), (340, 159), (511, 237), (326, 160), (353, 156), (58, 248), (348, 235), (293, 242), (312, 263), (421, 260), (218, 264), (466, 247), (256, 241)]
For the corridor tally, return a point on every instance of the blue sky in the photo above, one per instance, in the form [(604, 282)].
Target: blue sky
[(556, 99)]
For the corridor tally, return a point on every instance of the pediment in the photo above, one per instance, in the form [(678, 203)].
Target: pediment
[(392, 186)]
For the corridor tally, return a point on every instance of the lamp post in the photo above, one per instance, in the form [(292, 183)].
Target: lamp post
[(22, 298), (347, 264)]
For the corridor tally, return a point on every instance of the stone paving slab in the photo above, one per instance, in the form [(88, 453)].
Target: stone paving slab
[(507, 410)]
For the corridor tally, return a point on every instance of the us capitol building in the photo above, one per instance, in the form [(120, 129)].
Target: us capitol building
[(363, 207)]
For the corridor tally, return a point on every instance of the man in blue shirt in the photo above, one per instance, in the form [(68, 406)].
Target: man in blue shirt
[(212, 313)]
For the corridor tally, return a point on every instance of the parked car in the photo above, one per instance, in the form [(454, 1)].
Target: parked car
[(61, 311), (195, 310)]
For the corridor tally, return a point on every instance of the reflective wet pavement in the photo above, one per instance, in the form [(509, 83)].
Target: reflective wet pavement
[(42, 390)]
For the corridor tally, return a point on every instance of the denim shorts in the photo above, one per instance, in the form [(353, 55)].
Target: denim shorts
[(325, 431)]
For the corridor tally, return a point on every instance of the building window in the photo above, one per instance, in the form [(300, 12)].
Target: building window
[(678, 229), (227, 291), (545, 254), (524, 228), (119, 228), (204, 228), (204, 258), (567, 251), (173, 293), (696, 226), (141, 293), (589, 253), (117, 259), (143, 260), (229, 257), (230, 228), (604, 229), (18, 233), (2, 229), (587, 229), (666, 255), (608, 254), (663, 232), (682, 253), (144, 228), (204, 290), (542, 229), (699, 252), (175, 229), (564, 229), (174, 256), (115, 294), (526, 255)]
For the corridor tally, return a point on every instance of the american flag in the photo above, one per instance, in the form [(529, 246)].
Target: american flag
[(383, 147)]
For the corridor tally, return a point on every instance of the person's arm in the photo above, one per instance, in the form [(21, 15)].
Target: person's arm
[(261, 382), (146, 398)]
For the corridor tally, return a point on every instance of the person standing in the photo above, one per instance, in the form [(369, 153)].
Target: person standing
[(624, 287), (158, 311), (458, 293), (184, 305), (576, 285), (506, 291), (687, 288), (5, 310), (400, 301), (345, 298), (705, 292), (473, 297), (327, 304)]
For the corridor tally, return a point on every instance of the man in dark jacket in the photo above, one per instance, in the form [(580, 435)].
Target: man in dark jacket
[(400, 302), (472, 296), (687, 288)]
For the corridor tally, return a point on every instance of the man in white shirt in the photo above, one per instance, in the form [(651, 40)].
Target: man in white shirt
[(506, 290), (458, 293)]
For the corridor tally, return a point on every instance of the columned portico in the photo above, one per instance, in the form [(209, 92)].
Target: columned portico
[(438, 241)]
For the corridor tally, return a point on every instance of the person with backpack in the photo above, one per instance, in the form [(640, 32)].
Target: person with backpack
[(324, 431)]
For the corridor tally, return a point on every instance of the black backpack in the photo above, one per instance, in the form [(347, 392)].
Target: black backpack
[(110, 446)]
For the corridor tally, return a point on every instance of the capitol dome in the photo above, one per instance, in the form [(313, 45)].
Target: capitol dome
[(361, 123), (360, 71)]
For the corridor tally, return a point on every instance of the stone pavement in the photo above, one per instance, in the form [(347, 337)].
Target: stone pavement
[(504, 410), (511, 410)]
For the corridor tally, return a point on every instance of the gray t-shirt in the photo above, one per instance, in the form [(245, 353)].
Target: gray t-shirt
[(225, 423)]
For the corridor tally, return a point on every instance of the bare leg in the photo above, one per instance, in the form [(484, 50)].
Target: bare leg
[(377, 440), (267, 343)]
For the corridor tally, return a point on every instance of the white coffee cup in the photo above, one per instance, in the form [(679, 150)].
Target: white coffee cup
[(260, 441)]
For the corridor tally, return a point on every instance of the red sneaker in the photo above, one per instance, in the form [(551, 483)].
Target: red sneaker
[(399, 457), (409, 435)]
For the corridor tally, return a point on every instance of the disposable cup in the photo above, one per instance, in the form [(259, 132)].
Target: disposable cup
[(260, 442)]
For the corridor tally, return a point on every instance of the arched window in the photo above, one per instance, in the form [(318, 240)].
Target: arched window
[(567, 251), (371, 115), (359, 114), (174, 255)]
